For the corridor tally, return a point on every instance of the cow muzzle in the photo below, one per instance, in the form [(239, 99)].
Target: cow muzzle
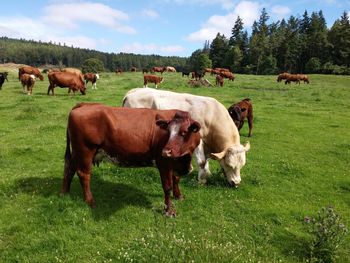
[(232, 184), (167, 153)]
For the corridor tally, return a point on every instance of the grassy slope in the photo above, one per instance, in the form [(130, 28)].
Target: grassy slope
[(298, 163)]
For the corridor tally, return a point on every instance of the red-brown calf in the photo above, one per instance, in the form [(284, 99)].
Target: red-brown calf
[(240, 111), (152, 79), (28, 81)]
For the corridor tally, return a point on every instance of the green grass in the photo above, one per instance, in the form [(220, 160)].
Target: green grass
[(299, 162)]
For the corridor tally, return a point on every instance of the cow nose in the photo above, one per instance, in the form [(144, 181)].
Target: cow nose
[(167, 153), (233, 184)]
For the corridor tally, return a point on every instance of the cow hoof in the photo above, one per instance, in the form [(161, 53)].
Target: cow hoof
[(180, 197), (202, 181), (170, 213)]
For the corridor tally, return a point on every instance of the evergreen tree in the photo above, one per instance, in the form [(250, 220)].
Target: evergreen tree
[(339, 38), (218, 49)]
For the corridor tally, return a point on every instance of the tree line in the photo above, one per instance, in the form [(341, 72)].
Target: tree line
[(298, 45), (41, 54)]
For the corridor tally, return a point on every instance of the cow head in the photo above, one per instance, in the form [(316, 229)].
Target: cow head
[(236, 114), (183, 135), (40, 77), (232, 160)]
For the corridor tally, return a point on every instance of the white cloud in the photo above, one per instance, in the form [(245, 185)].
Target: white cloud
[(149, 13), (151, 48), (247, 10), (70, 14), (21, 27), (225, 4), (280, 11)]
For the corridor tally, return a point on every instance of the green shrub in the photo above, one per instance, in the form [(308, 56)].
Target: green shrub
[(313, 65), (92, 65), (327, 232)]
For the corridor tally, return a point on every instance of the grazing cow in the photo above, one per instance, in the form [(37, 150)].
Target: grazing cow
[(158, 69), (220, 137), (304, 78), (153, 79), (133, 69), (227, 74), (66, 80), (145, 70), (219, 80), (292, 78), (28, 81), (222, 69), (185, 73), (241, 111), (282, 76), (208, 70), (3, 76), (198, 74), (214, 72), (131, 137), (170, 69), (91, 77), (30, 70)]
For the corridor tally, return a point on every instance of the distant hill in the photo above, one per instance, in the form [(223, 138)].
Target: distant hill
[(39, 54)]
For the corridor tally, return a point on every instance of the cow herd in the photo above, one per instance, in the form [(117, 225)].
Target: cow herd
[(151, 127)]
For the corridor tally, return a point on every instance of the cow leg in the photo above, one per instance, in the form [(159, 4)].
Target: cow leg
[(203, 164), (84, 173), (166, 176), (176, 190), (240, 125), (250, 123)]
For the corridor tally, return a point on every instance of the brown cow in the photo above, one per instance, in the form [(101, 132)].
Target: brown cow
[(118, 71), (282, 76), (292, 78), (66, 80), (158, 69), (30, 70), (240, 111), (227, 74), (145, 70), (132, 137), (219, 80), (91, 77), (304, 78), (28, 81), (133, 69), (153, 79)]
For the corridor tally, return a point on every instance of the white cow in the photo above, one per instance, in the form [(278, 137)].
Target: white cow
[(220, 137)]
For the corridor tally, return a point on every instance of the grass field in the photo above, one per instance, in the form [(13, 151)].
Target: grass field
[(299, 162)]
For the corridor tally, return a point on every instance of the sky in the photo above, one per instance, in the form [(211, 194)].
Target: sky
[(162, 27)]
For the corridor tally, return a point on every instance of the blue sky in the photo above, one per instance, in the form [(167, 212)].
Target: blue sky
[(164, 27)]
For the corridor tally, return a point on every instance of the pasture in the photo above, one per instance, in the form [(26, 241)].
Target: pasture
[(299, 162)]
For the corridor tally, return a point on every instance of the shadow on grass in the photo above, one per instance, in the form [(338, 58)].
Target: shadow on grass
[(109, 196), (292, 246)]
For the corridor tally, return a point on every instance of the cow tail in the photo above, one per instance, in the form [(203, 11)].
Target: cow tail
[(68, 154)]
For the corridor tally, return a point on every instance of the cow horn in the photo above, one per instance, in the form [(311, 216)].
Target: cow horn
[(218, 156)]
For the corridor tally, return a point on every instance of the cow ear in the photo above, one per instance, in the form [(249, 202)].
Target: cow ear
[(194, 127), (243, 109), (218, 156)]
